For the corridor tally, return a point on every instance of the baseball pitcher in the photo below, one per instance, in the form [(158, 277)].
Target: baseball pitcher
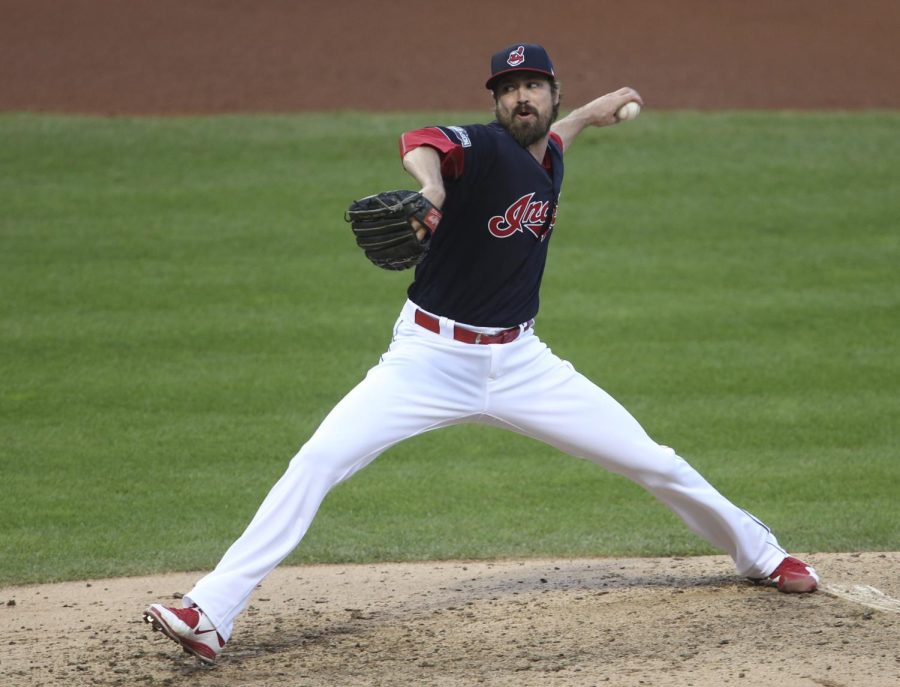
[(465, 345)]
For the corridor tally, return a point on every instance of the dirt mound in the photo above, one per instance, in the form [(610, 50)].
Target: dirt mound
[(683, 621)]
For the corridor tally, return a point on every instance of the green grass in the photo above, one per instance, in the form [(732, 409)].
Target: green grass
[(182, 304)]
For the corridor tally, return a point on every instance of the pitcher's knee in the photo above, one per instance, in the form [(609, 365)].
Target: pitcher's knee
[(659, 465), (327, 463)]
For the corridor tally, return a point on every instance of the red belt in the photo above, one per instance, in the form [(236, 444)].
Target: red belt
[(433, 324)]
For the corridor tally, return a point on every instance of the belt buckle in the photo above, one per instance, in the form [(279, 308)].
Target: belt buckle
[(478, 337)]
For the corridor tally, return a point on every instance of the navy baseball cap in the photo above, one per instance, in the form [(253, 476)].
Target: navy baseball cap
[(520, 57)]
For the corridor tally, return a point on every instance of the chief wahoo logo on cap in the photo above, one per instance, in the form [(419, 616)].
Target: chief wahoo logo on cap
[(516, 57)]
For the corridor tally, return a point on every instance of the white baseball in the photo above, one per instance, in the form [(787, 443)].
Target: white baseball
[(628, 111)]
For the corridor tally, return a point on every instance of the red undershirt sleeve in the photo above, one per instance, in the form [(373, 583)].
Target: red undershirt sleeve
[(451, 153), (555, 136)]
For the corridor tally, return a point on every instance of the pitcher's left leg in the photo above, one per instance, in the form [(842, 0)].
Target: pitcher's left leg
[(544, 397)]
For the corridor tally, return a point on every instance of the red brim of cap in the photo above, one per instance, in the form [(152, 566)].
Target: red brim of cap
[(516, 69)]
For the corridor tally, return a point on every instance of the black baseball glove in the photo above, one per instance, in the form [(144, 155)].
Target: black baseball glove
[(383, 228)]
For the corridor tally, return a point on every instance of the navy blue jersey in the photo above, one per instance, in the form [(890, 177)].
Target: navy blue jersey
[(488, 254)]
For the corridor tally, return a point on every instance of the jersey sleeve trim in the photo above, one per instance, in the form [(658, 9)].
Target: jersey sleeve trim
[(556, 137), (445, 141)]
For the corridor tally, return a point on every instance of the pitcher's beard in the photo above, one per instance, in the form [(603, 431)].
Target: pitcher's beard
[(529, 131)]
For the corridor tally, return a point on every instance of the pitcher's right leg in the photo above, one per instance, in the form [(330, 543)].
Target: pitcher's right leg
[(420, 384)]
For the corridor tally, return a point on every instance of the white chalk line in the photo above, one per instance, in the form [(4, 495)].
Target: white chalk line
[(863, 595)]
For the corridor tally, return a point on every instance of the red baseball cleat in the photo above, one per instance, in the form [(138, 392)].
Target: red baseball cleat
[(189, 627), (793, 576)]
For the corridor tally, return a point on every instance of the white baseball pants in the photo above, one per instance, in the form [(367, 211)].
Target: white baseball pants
[(426, 381)]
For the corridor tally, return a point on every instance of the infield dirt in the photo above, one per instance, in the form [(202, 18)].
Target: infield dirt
[(672, 622), (518, 623)]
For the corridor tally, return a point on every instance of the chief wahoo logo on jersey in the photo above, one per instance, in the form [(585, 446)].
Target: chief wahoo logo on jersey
[(524, 213)]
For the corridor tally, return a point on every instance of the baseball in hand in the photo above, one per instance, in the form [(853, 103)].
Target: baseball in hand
[(628, 111)]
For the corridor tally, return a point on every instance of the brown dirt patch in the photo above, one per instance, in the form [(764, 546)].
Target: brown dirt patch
[(172, 56), (682, 621)]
